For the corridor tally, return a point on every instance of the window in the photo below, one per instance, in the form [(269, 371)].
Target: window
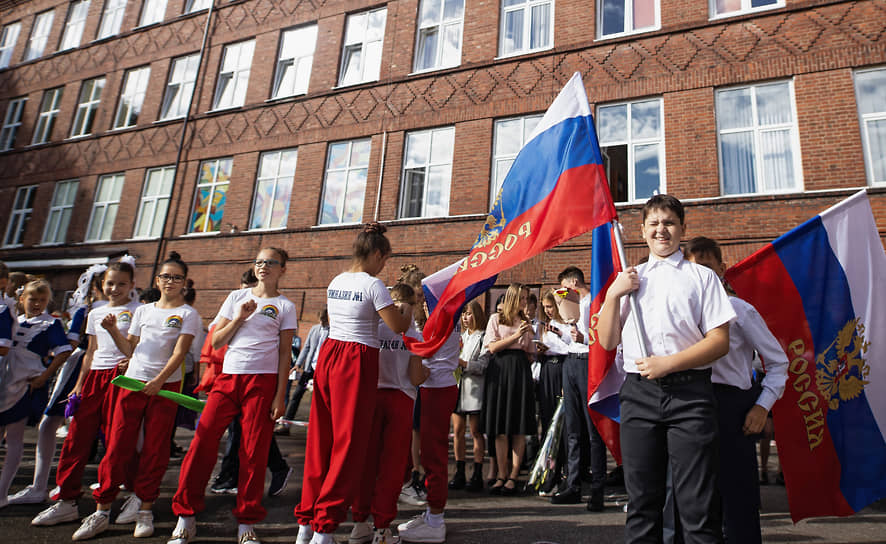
[(152, 12), (135, 84), (439, 34), (234, 76), (870, 92), (632, 144), (757, 131), (8, 37), (361, 59), (182, 76), (347, 164), (21, 214), (60, 212), (74, 27), (112, 18), (738, 7), (510, 135), (196, 5), (427, 169), (294, 62), (39, 35), (273, 189), (620, 17), (104, 210), (209, 199), (11, 122), (155, 202), (87, 105), (49, 108), (526, 25)]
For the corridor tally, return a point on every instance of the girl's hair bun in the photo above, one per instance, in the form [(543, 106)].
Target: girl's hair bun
[(174, 256), (374, 228)]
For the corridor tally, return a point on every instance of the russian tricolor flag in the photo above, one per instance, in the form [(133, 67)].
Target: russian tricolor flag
[(555, 190), (822, 290)]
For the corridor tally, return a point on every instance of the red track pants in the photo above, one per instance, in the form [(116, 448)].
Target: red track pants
[(437, 405), (342, 406)]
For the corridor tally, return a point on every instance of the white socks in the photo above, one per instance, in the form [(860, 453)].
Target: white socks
[(323, 538), (433, 520), (45, 449), (15, 446)]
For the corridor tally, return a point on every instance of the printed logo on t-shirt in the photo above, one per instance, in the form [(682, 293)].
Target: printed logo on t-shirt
[(270, 310), (124, 317), (174, 321), (340, 294), (393, 345)]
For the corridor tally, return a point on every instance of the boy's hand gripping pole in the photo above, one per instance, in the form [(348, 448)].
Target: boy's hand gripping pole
[(632, 296)]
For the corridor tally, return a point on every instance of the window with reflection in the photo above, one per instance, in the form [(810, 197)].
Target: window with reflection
[(344, 185), (870, 94), (632, 144), (427, 170), (440, 25)]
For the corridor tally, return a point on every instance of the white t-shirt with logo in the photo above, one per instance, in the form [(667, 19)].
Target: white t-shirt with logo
[(255, 347), (393, 359), (443, 363), (106, 355), (353, 300), (158, 330)]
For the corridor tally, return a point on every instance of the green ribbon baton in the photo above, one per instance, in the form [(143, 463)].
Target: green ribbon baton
[(182, 400)]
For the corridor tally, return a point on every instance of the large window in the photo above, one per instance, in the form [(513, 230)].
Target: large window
[(154, 202), (273, 189), (427, 169), (22, 207), (439, 34), (294, 62), (234, 75), (196, 5), (526, 25), (49, 108), (11, 122), (728, 8), (347, 164), (74, 26), (60, 212), (104, 209), (509, 138), (112, 18), (870, 92), (361, 58), (135, 85), (8, 37), (39, 35), (87, 105), (180, 87), (620, 17), (153, 11), (632, 142), (210, 196), (758, 142)]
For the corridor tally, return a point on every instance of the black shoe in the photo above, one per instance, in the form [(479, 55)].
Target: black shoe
[(225, 487), (764, 478), (779, 478), (509, 491), (616, 478), (475, 483), (497, 489), (458, 481), (567, 496), (278, 481), (595, 503)]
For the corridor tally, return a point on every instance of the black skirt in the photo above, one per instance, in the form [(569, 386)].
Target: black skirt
[(510, 400)]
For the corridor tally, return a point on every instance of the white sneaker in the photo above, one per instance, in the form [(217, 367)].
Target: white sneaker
[(94, 524), (184, 531), (361, 533), (409, 494), (129, 512), (29, 495), (59, 512), (248, 537), (305, 534), (384, 536), (144, 523), (418, 530)]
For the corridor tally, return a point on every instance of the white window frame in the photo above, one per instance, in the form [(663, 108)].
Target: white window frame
[(179, 89), (60, 209), (527, 7), (87, 107), (8, 37), (213, 185), (50, 106), (112, 18), (863, 120), (193, 6), (347, 170), (757, 130), (233, 73), (439, 26), (495, 183), (77, 13), (277, 179), (359, 44), (39, 35), (745, 9), (153, 11), (628, 21), (297, 64), (19, 216), (132, 97), (427, 164), (102, 208), (11, 122), (149, 204)]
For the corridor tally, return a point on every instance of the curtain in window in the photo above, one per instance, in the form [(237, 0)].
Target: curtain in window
[(737, 156)]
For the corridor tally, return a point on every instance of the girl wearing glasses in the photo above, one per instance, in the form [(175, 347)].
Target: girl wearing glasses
[(257, 324)]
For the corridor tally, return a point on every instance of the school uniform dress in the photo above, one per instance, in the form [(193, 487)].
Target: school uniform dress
[(510, 398), (343, 401), (387, 455), (246, 387), (472, 382), (7, 327), (671, 421), (97, 399), (158, 330)]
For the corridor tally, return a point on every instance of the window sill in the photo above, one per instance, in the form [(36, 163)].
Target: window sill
[(274, 99), (523, 52), (739, 13), (335, 225), (631, 33), (222, 110), (353, 84), (201, 234), (271, 229), (431, 70), (77, 137)]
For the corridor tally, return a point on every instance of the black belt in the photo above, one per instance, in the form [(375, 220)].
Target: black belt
[(579, 356), (677, 378)]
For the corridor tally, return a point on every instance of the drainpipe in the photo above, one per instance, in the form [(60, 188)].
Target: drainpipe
[(381, 171)]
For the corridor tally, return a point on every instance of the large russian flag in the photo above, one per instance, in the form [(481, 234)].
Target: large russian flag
[(822, 290), (555, 190)]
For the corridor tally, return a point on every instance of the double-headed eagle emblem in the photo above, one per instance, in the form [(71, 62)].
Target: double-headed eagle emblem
[(841, 371)]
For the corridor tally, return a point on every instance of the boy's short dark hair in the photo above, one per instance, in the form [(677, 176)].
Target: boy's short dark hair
[(248, 277), (664, 202), (4, 270), (701, 246), (571, 273)]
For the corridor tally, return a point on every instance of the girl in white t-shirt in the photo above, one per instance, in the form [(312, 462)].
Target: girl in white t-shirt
[(345, 385), (257, 324)]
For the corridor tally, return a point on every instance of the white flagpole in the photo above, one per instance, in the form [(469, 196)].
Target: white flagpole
[(632, 296)]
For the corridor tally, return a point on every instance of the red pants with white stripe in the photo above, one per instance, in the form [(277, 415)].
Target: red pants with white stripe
[(251, 396), (131, 410), (437, 405), (342, 406), (383, 472)]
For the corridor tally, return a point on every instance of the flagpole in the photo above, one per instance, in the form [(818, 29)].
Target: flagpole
[(632, 296)]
